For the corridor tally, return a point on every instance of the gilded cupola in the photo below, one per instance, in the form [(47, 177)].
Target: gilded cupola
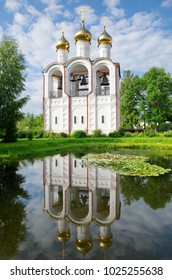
[(62, 43), (83, 34), (83, 246), (104, 38)]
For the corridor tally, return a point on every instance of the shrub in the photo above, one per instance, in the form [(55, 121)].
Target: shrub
[(22, 134), (38, 132), (79, 134), (63, 134), (164, 127), (97, 133), (29, 134), (168, 133), (150, 133), (51, 135), (121, 131), (114, 134)]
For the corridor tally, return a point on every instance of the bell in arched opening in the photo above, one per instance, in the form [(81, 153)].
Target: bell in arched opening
[(83, 81), (105, 81)]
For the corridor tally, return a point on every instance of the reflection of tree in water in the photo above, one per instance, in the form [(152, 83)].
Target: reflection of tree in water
[(155, 191), (12, 210)]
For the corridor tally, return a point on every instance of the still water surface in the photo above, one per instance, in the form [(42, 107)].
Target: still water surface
[(56, 208)]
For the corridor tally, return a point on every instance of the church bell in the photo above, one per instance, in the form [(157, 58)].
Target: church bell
[(83, 81), (104, 81)]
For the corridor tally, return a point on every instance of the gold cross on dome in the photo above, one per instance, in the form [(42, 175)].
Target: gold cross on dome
[(62, 25), (83, 11), (104, 20)]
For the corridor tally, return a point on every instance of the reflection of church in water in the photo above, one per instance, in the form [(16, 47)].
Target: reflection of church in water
[(79, 196)]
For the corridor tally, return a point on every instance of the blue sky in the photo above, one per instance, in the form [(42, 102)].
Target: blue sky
[(141, 32)]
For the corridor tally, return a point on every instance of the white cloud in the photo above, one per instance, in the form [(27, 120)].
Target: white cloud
[(90, 16), (112, 8), (20, 19), (139, 43), (54, 10), (13, 5), (143, 20), (31, 10), (166, 3), (34, 89)]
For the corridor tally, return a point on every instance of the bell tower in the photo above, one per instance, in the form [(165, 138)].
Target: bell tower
[(81, 93)]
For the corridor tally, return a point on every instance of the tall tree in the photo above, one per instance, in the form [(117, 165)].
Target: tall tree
[(12, 85), (130, 97), (156, 93), (12, 209)]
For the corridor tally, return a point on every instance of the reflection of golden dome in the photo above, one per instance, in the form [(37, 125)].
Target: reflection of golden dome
[(83, 34), (62, 43), (83, 246), (105, 243), (63, 236), (104, 38)]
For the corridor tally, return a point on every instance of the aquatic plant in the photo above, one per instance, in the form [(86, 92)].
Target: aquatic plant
[(124, 164)]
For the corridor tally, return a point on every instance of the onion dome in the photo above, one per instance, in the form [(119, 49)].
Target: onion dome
[(63, 236), (62, 43), (83, 34), (83, 246), (104, 38), (105, 243)]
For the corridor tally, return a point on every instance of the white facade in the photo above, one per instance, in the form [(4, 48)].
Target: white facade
[(74, 97), (75, 195)]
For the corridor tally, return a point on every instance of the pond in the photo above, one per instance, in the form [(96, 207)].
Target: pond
[(57, 208)]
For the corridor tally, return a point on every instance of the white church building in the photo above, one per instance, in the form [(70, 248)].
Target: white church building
[(80, 93)]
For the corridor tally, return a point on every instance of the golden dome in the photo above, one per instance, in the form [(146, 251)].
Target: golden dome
[(104, 38), (83, 246), (63, 236), (83, 34), (105, 243), (62, 43)]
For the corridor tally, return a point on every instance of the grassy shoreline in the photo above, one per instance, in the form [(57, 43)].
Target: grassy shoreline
[(38, 148)]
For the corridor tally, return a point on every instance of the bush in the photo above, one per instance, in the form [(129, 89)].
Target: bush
[(97, 133), (63, 134), (121, 131), (79, 134), (114, 134), (22, 134), (168, 133), (50, 135), (150, 133), (163, 127), (30, 134)]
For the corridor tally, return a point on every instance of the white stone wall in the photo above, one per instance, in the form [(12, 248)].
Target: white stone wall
[(68, 175), (64, 112)]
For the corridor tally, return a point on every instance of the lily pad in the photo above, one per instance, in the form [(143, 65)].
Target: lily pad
[(124, 164)]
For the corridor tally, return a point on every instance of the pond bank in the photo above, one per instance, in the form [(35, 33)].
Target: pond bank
[(37, 148)]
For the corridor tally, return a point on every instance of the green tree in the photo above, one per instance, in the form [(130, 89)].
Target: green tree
[(12, 85), (156, 105), (130, 96), (30, 123), (12, 209)]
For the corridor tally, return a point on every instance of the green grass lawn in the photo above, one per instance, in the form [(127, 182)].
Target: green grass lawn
[(37, 148)]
